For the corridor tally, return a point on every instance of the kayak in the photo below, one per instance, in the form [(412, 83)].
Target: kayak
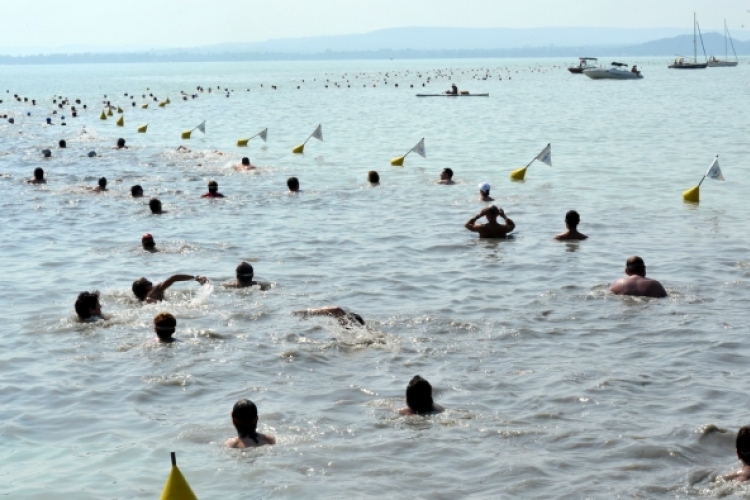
[(453, 95)]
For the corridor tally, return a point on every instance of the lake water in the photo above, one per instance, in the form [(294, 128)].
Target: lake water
[(553, 387)]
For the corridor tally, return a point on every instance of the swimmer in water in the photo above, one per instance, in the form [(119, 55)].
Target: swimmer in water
[(572, 219), (244, 278), (148, 243), (136, 191), (146, 291), (102, 187), (155, 205), (183, 149), (636, 283), (293, 184), (62, 144), (38, 177), (419, 398), (244, 165), (121, 144), (164, 327), (213, 190), (88, 308), (492, 229), (344, 317), (742, 444), (373, 178), (245, 420), (484, 192), (446, 177), (46, 153)]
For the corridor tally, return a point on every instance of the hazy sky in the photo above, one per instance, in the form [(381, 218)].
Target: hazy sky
[(181, 23)]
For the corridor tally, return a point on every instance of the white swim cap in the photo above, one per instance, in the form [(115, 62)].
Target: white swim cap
[(485, 186)]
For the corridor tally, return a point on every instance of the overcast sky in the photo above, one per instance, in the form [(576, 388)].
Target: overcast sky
[(186, 23)]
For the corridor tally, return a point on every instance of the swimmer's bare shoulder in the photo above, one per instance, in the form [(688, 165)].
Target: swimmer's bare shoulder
[(436, 408), (263, 439)]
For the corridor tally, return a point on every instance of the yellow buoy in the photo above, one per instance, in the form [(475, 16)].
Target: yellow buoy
[(168, 101), (398, 161), (162, 104), (177, 487), (242, 142), (186, 134), (299, 149), (121, 121), (144, 106), (142, 129), (103, 116), (692, 195), (518, 175), (110, 113), (119, 109)]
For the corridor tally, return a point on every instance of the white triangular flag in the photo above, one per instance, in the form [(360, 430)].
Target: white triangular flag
[(318, 134), (419, 149), (546, 155), (714, 171), (264, 134), (202, 126)]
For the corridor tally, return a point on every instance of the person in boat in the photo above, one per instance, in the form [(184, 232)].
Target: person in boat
[(446, 177), (419, 398), (38, 177), (636, 283), (213, 190), (148, 243), (88, 308), (635, 70), (484, 192), (344, 317), (165, 325), (244, 277), (492, 229), (147, 292), (742, 446), (245, 420), (244, 165), (453, 90), (572, 219)]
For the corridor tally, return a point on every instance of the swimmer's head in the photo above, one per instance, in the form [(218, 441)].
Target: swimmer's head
[(419, 395), (46, 153), (91, 154), (148, 241), (743, 444), (120, 142), (213, 186), (356, 317), (493, 211), (164, 326), (136, 191), (62, 143), (39, 173), (141, 287), (635, 265), (87, 305), (245, 272), (245, 418), (293, 184), (373, 177), (572, 219), (446, 174), (246, 161), (155, 206), (484, 189), (103, 182)]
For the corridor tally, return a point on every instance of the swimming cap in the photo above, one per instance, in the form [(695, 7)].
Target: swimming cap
[(147, 236), (485, 186)]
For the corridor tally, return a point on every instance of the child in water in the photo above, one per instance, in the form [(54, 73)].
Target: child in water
[(245, 420)]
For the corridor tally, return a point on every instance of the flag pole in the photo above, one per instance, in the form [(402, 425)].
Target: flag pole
[(174, 459), (701, 182)]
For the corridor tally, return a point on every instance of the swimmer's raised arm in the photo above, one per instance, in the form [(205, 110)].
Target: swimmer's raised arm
[(334, 311), (160, 288)]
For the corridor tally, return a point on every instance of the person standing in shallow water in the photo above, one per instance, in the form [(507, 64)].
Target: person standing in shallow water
[(165, 325), (245, 421), (213, 190), (636, 283), (419, 398), (446, 177), (572, 219), (492, 229), (484, 192), (38, 177)]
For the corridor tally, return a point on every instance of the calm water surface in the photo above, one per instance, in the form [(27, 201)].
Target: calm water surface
[(553, 387)]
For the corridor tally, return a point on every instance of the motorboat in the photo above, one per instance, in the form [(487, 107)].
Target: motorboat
[(714, 62), (616, 71), (685, 63), (584, 63)]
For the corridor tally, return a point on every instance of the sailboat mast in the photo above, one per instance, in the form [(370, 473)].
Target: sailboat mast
[(695, 40), (726, 41)]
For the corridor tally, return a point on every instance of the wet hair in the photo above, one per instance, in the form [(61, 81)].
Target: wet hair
[(246, 161), (293, 184), (136, 191), (213, 186), (244, 272), (155, 205), (743, 444), (494, 211), (419, 395), (140, 288), (448, 172), (39, 173), (572, 218), (85, 302), (372, 176), (46, 153), (62, 143), (120, 142), (635, 263), (245, 419), (103, 182), (165, 324)]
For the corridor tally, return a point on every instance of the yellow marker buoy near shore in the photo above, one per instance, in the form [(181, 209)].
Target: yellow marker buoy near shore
[(177, 487), (119, 110), (693, 195), (317, 133), (298, 149), (518, 175), (121, 121), (142, 129), (144, 106), (263, 134), (187, 133), (162, 104), (420, 150), (398, 161), (109, 112), (545, 157), (103, 116)]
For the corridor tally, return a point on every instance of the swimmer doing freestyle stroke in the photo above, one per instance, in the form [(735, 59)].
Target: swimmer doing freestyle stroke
[(147, 292)]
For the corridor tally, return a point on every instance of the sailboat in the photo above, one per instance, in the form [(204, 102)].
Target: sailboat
[(713, 62), (683, 63)]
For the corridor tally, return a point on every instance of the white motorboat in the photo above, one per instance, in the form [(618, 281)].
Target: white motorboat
[(715, 62), (617, 71)]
